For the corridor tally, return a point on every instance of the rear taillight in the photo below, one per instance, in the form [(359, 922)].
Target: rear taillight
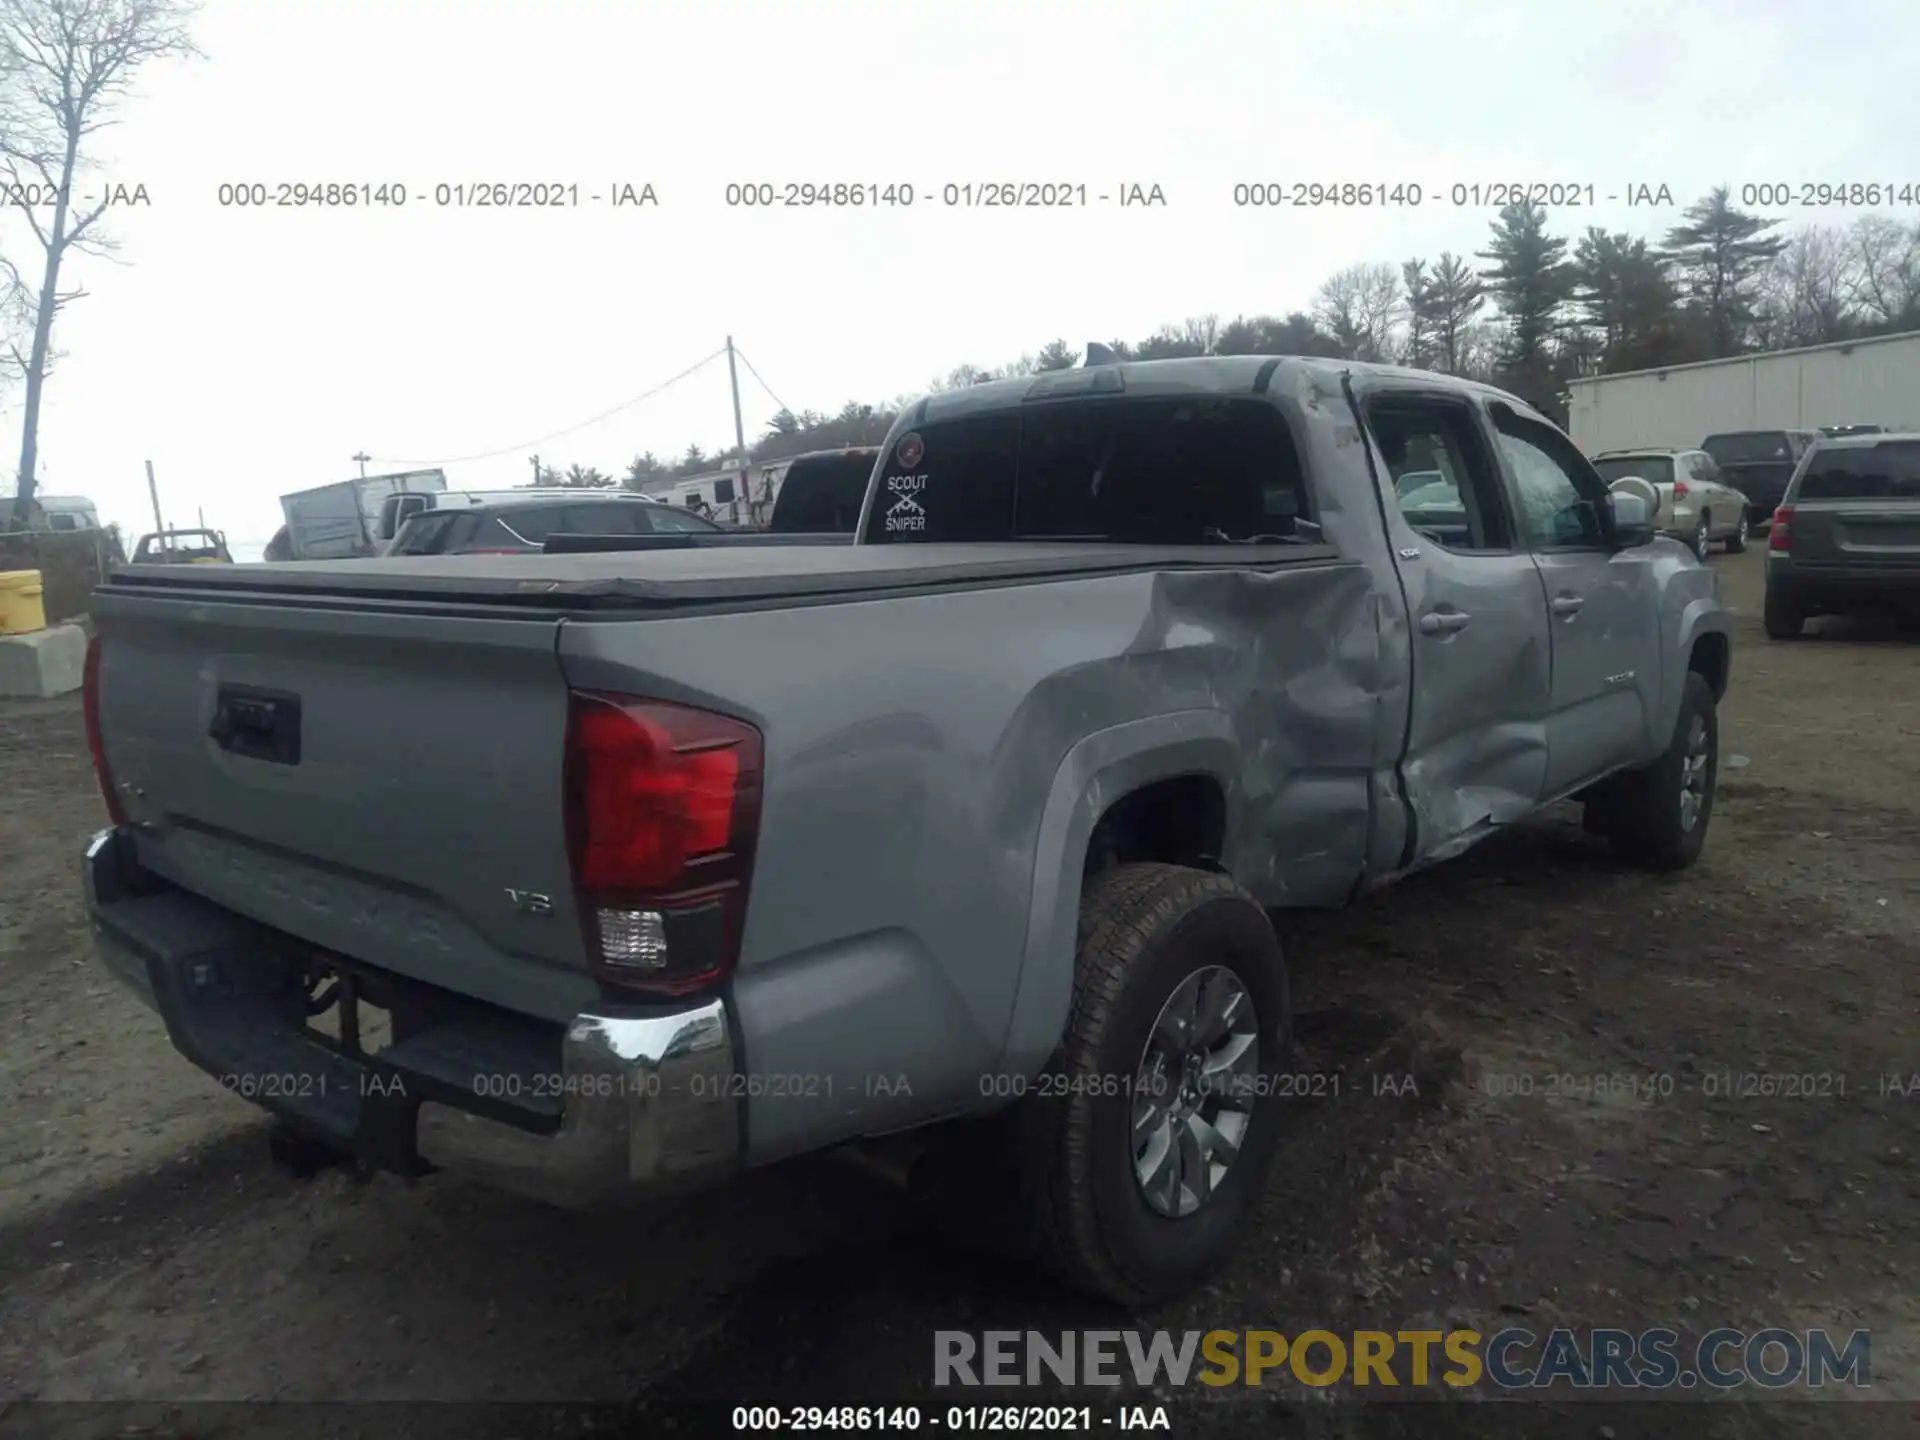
[(1780, 537), (1679, 489), (90, 705), (663, 806)]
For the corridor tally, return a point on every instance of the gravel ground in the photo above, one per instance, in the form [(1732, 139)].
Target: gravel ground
[(149, 1253)]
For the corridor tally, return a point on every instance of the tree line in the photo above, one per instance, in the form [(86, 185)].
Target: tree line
[(1528, 313)]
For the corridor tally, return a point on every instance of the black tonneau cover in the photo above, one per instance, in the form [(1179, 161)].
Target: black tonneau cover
[(664, 578)]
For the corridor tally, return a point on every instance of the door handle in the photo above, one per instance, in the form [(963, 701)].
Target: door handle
[(1444, 622), (1567, 605)]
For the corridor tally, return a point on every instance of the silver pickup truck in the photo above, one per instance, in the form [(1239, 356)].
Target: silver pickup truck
[(595, 875)]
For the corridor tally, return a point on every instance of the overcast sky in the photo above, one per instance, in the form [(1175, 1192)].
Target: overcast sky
[(251, 352)]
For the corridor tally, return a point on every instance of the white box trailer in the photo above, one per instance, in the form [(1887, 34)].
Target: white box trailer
[(341, 520), (1853, 382)]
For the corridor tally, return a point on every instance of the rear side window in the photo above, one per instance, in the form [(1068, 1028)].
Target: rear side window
[(620, 517), (1888, 471), (529, 525), (1149, 471), (426, 535), (1442, 476)]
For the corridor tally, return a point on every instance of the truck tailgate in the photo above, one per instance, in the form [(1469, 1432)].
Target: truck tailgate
[(381, 783)]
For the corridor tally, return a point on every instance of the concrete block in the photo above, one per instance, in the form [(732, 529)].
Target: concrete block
[(43, 664)]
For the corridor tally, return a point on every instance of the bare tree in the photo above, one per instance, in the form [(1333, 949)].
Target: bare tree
[(1805, 294), (66, 65), (1888, 280), (1358, 307), (960, 377)]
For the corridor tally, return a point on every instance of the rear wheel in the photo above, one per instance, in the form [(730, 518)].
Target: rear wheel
[(1782, 615), (1737, 542), (1146, 1149), (1703, 536)]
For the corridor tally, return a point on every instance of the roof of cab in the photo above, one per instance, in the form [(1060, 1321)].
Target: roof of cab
[(1867, 442), (1207, 375)]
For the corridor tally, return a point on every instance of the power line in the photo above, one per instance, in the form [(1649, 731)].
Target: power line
[(571, 429), (756, 375)]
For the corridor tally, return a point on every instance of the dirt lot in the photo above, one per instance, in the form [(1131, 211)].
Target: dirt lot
[(149, 1253)]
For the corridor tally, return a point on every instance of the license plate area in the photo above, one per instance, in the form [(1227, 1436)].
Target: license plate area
[(347, 1008)]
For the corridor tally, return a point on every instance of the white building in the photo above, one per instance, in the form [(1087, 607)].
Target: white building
[(1874, 381)]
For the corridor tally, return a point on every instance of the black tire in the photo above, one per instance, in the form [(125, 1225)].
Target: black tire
[(1645, 814), (1703, 537), (1144, 930), (1782, 616), (1737, 542)]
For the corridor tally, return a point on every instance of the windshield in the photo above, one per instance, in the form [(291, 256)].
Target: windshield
[(1887, 471), (1655, 469), (1156, 471), (1748, 446)]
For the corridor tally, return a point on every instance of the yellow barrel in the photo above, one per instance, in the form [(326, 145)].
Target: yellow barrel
[(21, 608)]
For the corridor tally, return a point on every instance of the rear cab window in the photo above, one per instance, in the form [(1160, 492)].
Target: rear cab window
[(1749, 446), (1889, 470), (823, 494), (1654, 469), (1134, 470)]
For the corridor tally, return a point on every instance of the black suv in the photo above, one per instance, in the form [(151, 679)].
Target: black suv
[(1847, 534), (1758, 463), (521, 527)]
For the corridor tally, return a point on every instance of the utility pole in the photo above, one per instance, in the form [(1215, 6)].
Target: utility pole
[(739, 431), (363, 457), (153, 492), (536, 470)]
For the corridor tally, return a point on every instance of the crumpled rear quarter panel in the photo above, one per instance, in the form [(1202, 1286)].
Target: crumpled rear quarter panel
[(916, 747)]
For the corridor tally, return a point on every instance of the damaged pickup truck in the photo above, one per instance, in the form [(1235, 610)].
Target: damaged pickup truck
[(618, 873)]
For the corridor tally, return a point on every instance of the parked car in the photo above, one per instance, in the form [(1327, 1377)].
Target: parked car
[(54, 512), (183, 547), (510, 527), (1835, 432), (1846, 537), (1697, 505), (1758, 463), (666, 863)]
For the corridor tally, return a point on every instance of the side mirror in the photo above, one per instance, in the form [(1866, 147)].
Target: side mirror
[(1632, 504)]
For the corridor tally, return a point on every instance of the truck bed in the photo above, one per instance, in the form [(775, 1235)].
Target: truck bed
[(719, 576)]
